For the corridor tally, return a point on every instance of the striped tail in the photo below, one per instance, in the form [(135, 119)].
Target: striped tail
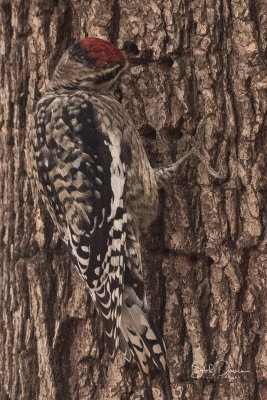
[(140, 337)]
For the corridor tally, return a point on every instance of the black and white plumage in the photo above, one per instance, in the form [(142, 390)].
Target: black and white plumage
[(100, 191)]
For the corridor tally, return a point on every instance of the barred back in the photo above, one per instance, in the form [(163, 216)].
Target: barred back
[(100, 191)]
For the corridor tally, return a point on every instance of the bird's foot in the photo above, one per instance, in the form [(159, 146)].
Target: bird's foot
[(163, 174)]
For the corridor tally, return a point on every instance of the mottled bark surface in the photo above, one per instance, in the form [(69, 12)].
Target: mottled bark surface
[(204, 261)]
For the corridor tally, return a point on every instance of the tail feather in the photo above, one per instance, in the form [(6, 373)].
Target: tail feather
[(143, 340), (139, 336), (124, 347)]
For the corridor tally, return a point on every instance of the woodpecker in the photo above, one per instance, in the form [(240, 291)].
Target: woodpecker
[(101, 193)]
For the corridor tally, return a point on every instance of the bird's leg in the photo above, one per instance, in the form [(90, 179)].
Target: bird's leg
[(163, 174)]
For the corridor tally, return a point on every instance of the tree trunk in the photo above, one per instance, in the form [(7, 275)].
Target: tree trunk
[(205, 258)]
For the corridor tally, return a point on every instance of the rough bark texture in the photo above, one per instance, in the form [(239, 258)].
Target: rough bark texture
[(204, 262)]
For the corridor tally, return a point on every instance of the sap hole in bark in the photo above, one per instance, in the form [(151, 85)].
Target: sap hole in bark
[(23, 173), (174, 132), (248, 82), (147, 131), (210, 261), (130, 48), (147, 55), (10, 140), (166, 61), (194, 258)]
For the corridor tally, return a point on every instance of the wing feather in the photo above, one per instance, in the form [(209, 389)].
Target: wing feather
[(82, 180)]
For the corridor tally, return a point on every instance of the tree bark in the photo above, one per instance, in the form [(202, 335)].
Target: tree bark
[(205, 258)]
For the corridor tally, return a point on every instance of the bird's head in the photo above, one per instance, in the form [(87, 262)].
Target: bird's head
[(90, 64)]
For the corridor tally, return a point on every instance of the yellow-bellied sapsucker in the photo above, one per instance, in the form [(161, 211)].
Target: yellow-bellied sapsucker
[(101, 192)]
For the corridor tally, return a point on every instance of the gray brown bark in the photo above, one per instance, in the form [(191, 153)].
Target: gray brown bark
[(205, 262)]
